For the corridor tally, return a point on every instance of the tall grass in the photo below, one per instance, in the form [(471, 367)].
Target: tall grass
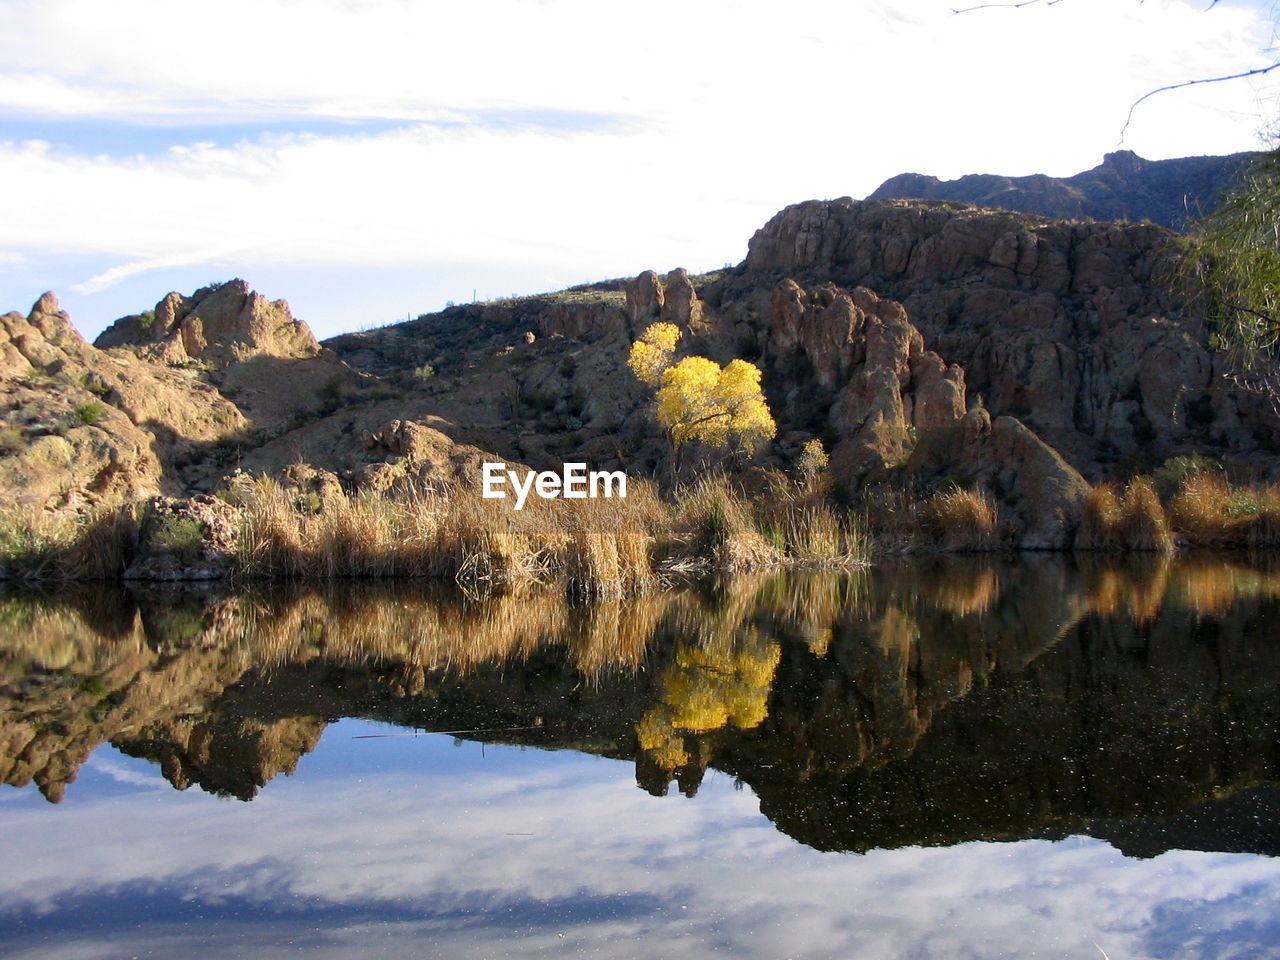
[(38, 546), (1132, 520), (959, 521), (598, 548), (1208, 511)]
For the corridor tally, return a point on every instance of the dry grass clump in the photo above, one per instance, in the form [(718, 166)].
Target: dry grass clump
[(958, 521), (1132, 520), (455, 534), (600, 548), (95, 546), (719, 528), (1211, 512)]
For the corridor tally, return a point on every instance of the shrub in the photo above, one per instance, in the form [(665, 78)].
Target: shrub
[(1134, 520), (959, 521), (1173, 473), (181, 536), (811, 463), (90, 413)]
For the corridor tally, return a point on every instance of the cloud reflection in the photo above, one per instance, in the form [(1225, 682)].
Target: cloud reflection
[(533, 854)]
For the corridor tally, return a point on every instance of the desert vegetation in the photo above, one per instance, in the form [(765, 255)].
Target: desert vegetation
[(597, 547)]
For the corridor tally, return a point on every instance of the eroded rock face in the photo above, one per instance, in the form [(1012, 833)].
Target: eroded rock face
[(670, 299), (422, 454), (223, 324), (1041, 496), (645, 295), (897, 406), (582, 320), (1076, 329), (67, 439), (870, 358)]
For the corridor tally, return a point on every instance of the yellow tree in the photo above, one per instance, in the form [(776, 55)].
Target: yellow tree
[(697, 398)]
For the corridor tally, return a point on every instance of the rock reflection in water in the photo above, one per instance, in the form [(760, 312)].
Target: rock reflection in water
[(921, 703)]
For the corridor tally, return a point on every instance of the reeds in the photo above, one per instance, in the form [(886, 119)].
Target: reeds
[(95, 546), (1134, 520), (599, 548), (958, 521), (1208, 511)]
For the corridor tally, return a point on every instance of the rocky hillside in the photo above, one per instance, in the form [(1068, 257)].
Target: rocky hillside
[(922, 343), (166, 401), (1123, 187)]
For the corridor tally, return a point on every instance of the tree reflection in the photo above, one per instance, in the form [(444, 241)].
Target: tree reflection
[(920, 702)]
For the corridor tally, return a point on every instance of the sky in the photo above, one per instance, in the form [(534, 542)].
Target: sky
[(371, 160)]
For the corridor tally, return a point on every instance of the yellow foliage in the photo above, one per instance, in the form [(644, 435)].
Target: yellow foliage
[(651, 354), (708, 687), (700, 400), (697, 398)]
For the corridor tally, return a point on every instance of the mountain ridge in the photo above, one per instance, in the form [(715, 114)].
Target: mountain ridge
[(1124, 186)]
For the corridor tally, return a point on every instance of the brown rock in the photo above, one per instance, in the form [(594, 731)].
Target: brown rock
[(192, 539), (223, 324), (582, 319), (644, 297), (937, 391), (680, 303), (1069, 326), (1040, 494)]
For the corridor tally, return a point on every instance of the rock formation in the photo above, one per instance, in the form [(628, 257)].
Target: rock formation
[(155, 408), (1075, 328), (224, 323)]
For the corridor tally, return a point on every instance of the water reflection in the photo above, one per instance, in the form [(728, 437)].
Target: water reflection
[(914, 704), (902, 713)]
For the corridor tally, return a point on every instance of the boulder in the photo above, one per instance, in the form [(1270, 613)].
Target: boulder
[(194, 539)]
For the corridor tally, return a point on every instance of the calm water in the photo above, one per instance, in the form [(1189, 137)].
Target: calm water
[(969, 759)]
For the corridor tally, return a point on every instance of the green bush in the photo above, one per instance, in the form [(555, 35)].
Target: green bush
[(1173, 473), (181, 536), (90, 413)]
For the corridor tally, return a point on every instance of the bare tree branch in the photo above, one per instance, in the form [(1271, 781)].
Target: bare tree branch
[(1260, 71), (1016, 4), (1013, 6), (1028, 3)]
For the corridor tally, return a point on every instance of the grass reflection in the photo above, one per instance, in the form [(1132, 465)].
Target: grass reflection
[(227, 690)]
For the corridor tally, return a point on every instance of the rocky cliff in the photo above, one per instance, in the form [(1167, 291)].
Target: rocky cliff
[(1077, 329), (1123, 187), (923, 343)]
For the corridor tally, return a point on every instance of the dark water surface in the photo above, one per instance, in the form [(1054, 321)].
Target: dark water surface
[(1039, 757)]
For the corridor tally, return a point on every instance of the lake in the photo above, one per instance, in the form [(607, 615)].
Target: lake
[(954, 758)]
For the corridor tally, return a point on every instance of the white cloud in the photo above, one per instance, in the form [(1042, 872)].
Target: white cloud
[(450, 855), (570, 134)]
